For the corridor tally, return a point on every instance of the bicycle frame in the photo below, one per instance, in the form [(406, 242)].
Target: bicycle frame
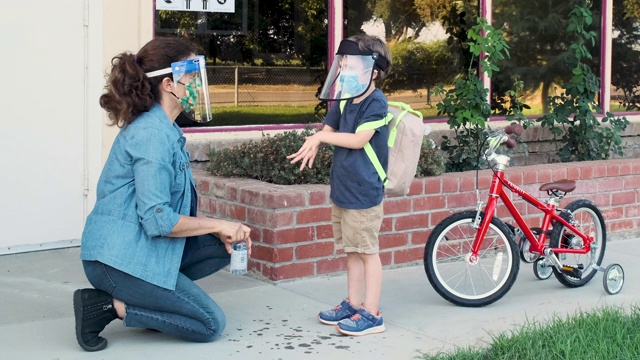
[(464, 256), (537, 244)]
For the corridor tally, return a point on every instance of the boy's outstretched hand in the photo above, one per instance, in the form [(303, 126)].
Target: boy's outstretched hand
[(307, 152)]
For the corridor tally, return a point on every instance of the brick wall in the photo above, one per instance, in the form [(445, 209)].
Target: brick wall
[(291, 226)]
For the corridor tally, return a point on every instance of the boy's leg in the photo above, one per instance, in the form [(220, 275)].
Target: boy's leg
[(355, 279), (362, 239), (372, 280), (347, 307), (360, 236)]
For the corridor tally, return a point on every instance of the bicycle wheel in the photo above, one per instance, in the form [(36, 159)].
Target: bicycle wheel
[(454, 277), (588, 219)]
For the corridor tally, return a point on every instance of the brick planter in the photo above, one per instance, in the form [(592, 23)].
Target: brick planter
[(292, 231)]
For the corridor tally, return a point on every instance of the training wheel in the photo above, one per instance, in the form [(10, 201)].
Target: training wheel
[(542, 270), (613, 279), (525, 252)]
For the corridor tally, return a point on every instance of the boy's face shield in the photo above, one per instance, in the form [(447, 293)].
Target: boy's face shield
[(191, 75), (351, 73), (349, 77)]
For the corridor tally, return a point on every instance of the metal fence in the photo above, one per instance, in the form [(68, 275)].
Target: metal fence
[(235, 85), (289, 86)]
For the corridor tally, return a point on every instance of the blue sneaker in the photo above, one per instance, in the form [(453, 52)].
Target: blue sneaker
[(340, 312), (362, 323)]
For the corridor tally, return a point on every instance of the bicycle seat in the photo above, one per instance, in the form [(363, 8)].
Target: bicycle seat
[(565, 186)]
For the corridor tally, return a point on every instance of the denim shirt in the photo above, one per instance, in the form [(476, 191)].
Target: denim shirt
[(145, 186)]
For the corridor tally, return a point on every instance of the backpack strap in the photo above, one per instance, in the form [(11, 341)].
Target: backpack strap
[(405, 109), (368, 149)]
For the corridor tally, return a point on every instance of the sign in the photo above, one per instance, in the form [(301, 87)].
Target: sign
[(226, 6)]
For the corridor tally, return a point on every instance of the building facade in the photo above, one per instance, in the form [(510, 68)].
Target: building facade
[(53, 134)]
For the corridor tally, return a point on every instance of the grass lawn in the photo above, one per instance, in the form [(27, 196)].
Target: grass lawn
[(304, 114), (264, 115), (606, 333)]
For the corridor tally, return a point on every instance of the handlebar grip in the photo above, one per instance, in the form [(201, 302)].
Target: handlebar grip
[(510, 144), (515, 129)]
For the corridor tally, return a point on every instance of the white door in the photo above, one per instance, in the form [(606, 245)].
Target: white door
[(42, 123)]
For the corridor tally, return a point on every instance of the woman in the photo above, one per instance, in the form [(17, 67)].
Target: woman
[(143, 245)]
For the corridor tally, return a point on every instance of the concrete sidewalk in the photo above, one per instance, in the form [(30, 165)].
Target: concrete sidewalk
[(279, 321)]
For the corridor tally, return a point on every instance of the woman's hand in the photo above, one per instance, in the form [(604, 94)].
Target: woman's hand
[(231, 232), (307, 152)]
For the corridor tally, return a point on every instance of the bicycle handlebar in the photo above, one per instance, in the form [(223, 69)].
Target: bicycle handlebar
[(515, 129), (500, 137)]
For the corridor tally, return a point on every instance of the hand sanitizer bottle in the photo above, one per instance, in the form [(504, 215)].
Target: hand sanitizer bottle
[(238, 264)]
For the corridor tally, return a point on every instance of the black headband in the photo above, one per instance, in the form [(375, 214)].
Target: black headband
[(350, 47)]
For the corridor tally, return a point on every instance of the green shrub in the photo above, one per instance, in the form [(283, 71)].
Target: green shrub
[(432, 162), (266, 160), (465, 104)]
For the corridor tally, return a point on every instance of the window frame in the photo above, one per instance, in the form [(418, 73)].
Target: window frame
[(335, 35)]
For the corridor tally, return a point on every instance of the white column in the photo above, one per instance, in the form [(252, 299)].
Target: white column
[(336, 23), (485, 12), (605, 55)]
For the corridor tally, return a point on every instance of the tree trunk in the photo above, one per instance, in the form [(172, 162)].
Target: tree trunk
[(388, 33), (544, 95)]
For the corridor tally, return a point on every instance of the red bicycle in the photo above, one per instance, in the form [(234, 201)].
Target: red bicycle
[(471, 257)]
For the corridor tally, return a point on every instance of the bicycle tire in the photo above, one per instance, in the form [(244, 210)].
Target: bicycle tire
[(561, 237), (475, 285)]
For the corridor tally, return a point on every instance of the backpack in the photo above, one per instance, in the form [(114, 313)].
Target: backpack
[(406, 131)]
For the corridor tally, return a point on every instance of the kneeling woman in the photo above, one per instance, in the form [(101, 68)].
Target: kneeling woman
[(143, 244)]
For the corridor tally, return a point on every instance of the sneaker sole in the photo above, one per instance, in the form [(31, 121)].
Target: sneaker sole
[(77, 310), (373, 330), (327, 322)]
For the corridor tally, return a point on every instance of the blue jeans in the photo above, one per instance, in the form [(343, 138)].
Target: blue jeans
[(186, 312)]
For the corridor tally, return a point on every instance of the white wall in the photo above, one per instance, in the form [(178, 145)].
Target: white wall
[(53, 138)]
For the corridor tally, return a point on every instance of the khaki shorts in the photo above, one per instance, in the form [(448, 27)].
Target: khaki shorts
[(356, 231)]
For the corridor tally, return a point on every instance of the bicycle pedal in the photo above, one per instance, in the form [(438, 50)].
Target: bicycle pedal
[(571, 271)]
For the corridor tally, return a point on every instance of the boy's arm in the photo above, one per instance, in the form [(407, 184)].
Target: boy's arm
[(346, 140), (328, 135), (308, 150)]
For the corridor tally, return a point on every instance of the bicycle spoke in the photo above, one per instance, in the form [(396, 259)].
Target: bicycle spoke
[(450, 266), (587, 219)]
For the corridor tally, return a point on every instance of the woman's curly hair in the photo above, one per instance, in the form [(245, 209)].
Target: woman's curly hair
[(129, 92)]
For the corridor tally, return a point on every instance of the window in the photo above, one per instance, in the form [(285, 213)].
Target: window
[(424, 38), (625, 59), (539, 50), (265, 63)]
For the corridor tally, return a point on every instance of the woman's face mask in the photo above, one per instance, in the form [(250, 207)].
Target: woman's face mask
[(190, 99)]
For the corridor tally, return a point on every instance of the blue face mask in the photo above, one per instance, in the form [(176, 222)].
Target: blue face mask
[(350, 84)]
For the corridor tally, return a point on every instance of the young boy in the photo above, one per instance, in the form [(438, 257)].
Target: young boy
[(356, 188)]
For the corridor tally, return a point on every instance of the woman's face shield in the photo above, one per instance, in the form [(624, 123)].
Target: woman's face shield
[(351, 73), (191, 87), (192, 75)]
